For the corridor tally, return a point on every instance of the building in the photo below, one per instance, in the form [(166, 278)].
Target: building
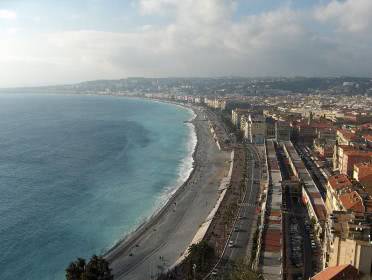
[(305, 133), (271, 245), (324, 142), (325, 151), (236, 115), (215, 103), (345, 137), (340, 272), (351, 157), (349, 225), (368, 139), (352, 201), (363, 174), (311, 196), (352, 252), (256, 129), (270, 128), (282, 131), (338, 155), (335, 186), (243, 123)]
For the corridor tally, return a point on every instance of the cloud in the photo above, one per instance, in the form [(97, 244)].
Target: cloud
[(203, 38), (156, 6), (8, 15), (349, 15)]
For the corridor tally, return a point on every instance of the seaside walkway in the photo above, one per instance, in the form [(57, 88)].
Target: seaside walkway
[(158, 244)]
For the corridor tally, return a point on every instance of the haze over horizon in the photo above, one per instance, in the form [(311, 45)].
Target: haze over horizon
[(53, 42)]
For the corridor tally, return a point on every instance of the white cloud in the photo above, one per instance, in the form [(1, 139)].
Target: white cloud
[(202, 39), (8, 15), (349, 15), (156, 6)]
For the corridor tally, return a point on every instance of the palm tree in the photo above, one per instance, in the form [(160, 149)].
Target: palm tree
[(97, 269), (75, 270), (241, 271)]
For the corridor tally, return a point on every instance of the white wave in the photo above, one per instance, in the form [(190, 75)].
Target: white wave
[(185, 168), (184, 171)]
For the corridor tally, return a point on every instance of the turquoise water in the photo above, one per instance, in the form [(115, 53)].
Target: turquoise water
[(78, 172)]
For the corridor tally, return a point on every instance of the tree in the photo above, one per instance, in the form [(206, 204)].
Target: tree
[(241, 271), (75, 269), (96, 269), (199, 258)]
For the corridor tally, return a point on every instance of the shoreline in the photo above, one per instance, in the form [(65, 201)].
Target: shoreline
[(169, 232), (157, 212)]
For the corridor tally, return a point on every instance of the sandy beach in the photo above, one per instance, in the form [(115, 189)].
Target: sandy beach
[(157, 245)]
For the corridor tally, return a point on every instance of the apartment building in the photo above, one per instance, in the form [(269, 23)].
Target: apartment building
[(354, 252), (336, 184), (363, 174), (351, 157), (236, 115), (282, 131), (339, 272), (256, 129)]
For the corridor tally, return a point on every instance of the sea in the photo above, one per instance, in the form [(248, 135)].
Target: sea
[(80, 172)]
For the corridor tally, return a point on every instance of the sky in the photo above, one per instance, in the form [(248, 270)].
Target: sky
[(47, 42)]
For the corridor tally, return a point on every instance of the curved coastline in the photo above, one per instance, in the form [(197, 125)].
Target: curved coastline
[(160, 242), (130, 238)]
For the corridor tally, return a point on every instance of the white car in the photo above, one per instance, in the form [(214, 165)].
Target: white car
[(231, 243)]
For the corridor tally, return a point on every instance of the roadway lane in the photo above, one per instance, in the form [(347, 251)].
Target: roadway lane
[(247, 213)]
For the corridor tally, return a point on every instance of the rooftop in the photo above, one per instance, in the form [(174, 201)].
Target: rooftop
[(338, 182), (347, 134), (336, 272), (368, 137), (352, 201), (358, 153)]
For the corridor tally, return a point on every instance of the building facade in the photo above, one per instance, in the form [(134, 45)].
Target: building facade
[(256, 129)]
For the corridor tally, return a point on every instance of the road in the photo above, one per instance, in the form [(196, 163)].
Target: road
[(248, 214), (242, 237)]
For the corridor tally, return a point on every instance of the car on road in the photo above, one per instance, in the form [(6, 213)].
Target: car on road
[(231, 244)]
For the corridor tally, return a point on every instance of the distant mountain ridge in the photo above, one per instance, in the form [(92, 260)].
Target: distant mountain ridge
[(208, 86)]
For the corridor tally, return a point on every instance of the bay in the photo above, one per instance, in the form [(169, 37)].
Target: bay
[(77, 173)]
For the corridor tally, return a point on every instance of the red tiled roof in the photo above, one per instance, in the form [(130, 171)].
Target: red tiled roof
[(338, 182), (368, 137), (347, 134), (346, 147), (321, 125), (352, 201), (365, 167), (332, 272), (359, 153)]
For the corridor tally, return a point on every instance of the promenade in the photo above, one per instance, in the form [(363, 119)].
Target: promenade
[(157, 245)]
